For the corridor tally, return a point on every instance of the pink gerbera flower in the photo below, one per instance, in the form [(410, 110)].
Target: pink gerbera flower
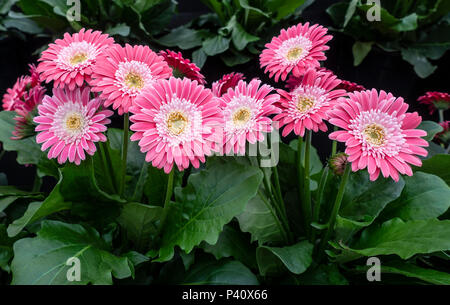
[(182, 67), (176, 122), (70, 61), (70, 123), (221, 86), (295, 49), (306, 106), (25, 113), (19, 93), (378, 133), (435, 101), (246, 110), (124, 72), (294, 81)]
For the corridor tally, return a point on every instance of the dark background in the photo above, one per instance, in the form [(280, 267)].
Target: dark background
[(379, 70)]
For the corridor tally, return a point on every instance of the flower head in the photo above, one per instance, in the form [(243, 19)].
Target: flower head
[(26, 112), (246, 110), (295, 50), (306, 106), (350, 87), (122, 73), (176, 122), (378, 133), (435, 101), (19, 93), (70, 122), (70, 61), (221, 86), (182, 67), (337, 163)]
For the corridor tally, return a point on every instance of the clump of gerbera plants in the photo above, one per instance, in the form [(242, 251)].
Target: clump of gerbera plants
[(197, 186)]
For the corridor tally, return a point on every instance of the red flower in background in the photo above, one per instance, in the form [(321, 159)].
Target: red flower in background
[(182, 67), (435, 100), (231, 80)]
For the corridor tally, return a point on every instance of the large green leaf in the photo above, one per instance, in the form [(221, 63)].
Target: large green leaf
[(322, 275), (215, 45), (360, 51), (232, 243), (425, 196), (404, 239), (437, 165), (41, 260), (432, 128), (182, 37), (211, 199), (296, 258), (6, 248)]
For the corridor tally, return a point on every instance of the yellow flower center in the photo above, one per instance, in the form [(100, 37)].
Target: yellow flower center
[(78, 58), (241, 117), (74, 122), (304, 103), (177, 123), (134, 80), (375, 134), (294, 53)]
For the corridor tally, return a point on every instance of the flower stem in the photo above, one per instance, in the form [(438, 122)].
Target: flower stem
[(124, 153), (334, 143), (334, 212), (278, 192), (441, 115), (169, 191), (319, 196), (306, 185)]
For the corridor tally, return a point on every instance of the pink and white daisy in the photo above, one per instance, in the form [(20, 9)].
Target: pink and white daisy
[(378, 133), (182, 67), (231, 80), (295, 50), (26, 111), (19, 93), (70, 123), (124, 72), (176, 122), (246, 110), (70, 61), (306, 106)]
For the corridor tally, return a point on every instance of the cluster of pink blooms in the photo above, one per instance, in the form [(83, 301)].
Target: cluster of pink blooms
[(178, 122)]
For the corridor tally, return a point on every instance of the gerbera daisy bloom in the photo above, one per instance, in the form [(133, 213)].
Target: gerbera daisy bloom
[(350, 86), (306, 106), (246, 110), (444, 135), (70, 123), (182, 67), (295, 49), (435, 101), (18, 94), (122, 73), (293, 81), (70, 61), (176, 122), (26, 112), (378, 133), (221, 86)]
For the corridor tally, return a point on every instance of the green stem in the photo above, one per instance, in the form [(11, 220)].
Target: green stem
[(2, 154), (106, 167), (36, 183), (441, 115), (124, 152), (306, 185), (278, 191), (334, 144), (137, 195), (300, 170), (319, 196), (334, 212), (169, 191)]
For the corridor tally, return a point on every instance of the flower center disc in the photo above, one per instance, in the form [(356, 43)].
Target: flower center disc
[(375, 134), (134, 80), (74, 122), (294, 53), (241, 117), (176, 123), (304, 103), (78, 58)]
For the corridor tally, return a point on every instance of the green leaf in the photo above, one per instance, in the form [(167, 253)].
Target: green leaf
[(322, 275), (139, 222), (422, 66), (6, 5), (283, 8), (232, 243), (296, 258), (155, 186), (215, 45), (432, 128), (404, 239), (121, 29), (410, 270), (21, 22), (360, 51), (210, 200), (28, 151), (223, 272), (42, 260), (407, 23), (350, 12), (199, 57), (437, 165), (239, 36), (6, 248), (425, 196), (181, 37)]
